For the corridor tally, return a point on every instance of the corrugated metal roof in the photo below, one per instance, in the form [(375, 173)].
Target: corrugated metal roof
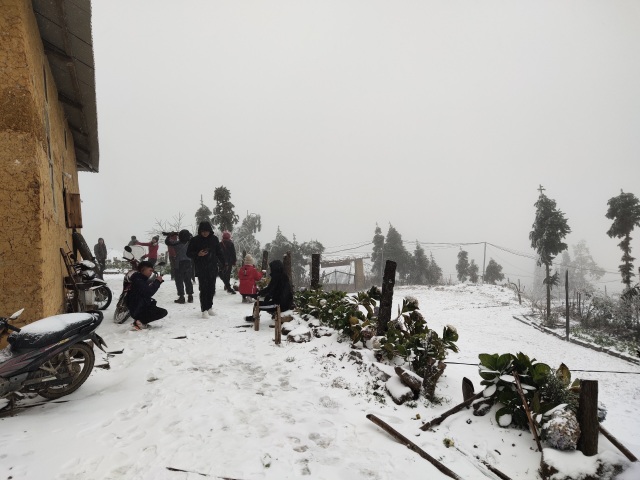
[(65, 29)]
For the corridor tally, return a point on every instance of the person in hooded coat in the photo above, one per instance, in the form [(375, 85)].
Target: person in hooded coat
[(279, 291), (100, 252), (182, 271), (204, 249), (142, 306), (229, 250)]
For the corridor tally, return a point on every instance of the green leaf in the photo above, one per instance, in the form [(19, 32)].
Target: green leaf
[(564, 374), (489, 360)]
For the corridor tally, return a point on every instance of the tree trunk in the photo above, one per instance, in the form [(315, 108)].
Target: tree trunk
[(548, 295), (432, 373)]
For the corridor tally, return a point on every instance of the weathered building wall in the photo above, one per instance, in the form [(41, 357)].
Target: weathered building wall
[(37, 162)]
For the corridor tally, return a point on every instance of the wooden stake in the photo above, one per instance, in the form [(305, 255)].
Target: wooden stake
[(456, 409), (315, 271), (588, 417), (532, 425), (256, 315), (618, 445), (278, 338), (412, 446), (386, 296)]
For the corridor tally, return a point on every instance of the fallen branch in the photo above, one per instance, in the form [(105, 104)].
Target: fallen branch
[(532, 425), (456, 409), (486, 465), (412, 446), (617, 444)]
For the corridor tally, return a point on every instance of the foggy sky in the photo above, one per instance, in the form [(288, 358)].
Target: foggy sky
[(327, 117)]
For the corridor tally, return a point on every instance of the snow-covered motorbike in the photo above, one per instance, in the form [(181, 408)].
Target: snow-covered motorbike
[(85, 290), (52, 356)]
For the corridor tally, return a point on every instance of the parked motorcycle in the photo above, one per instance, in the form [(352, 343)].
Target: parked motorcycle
[(133, 255), (52, 357), (85, 291)]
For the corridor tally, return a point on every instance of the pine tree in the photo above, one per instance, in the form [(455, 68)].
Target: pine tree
[(624, 210), (583, 270), (395, 250), (419, 267), (300, 255), (462, 267), (203, 214), (378, 253), (493, 273), (549, 229), (223, 215), (434, 272), (473, 271)]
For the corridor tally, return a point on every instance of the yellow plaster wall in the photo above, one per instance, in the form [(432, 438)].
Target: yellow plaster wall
[(32, 223)]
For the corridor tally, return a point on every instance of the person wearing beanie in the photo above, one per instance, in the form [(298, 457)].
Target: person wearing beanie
[(141, 306), (229, 251), (248, 275), (153, 245), (204, 249), (182, 272)]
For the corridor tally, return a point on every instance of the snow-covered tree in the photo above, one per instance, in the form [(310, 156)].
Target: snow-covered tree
[(473, 271), (244, 236), (203, 214), (419, 267), (395, 250), (223, 215), (493, 272), (624, 210), (462, 267), (434, 272), (377, 254), (549, 229), (582, 268)]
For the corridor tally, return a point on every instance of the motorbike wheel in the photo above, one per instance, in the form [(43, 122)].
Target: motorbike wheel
[(81, 246), (82, 359), (103, 297), (122, 311)]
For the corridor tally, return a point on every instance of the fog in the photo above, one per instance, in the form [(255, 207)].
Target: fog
[(440, 118)]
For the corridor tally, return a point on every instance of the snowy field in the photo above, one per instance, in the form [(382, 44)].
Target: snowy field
[(226, 402)]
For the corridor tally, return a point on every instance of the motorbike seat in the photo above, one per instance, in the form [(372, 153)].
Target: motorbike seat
[(49, 330)]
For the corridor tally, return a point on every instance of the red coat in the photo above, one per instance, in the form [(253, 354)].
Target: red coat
[(153, 249), (248, 276)]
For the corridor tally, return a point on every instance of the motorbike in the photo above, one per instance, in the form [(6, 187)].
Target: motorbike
[(52, 357), (133, 255), (85, 291)]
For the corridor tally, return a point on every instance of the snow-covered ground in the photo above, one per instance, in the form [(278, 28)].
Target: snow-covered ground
[(226, 402)]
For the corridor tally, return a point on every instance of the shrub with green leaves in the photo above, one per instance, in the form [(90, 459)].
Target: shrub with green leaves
[(542, 389), (407, 337)]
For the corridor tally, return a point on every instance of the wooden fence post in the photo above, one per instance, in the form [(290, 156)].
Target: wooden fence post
[(386, 298), (588, 417), (287, 267), (265, 260), (278, 337), (315, 271), (566, 288)]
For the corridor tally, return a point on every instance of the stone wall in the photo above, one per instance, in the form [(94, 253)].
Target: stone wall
[(37, 162)]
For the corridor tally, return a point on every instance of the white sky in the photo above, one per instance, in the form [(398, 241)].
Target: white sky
[(441, 118)]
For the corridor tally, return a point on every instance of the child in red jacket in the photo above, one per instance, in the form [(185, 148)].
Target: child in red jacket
[(248, 275)]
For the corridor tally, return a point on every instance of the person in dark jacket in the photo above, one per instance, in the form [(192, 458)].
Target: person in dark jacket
[(204, 249), (141, 305), (229, 251), (182, 272), (279, 291), (100, 252)]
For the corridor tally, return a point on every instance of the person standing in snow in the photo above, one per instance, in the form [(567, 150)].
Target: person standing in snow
[(278, 293), (204, 249), (141, 305), (100, 252), (229, 251), (153, 245), (248, 275), (173, 237), (182, 271)]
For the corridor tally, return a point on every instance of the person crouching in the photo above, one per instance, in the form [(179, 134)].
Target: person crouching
[(141, 305)]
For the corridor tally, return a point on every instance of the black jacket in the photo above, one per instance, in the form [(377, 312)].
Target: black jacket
[(229, 251), (207, 264), (139, 296), (279, 291)]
